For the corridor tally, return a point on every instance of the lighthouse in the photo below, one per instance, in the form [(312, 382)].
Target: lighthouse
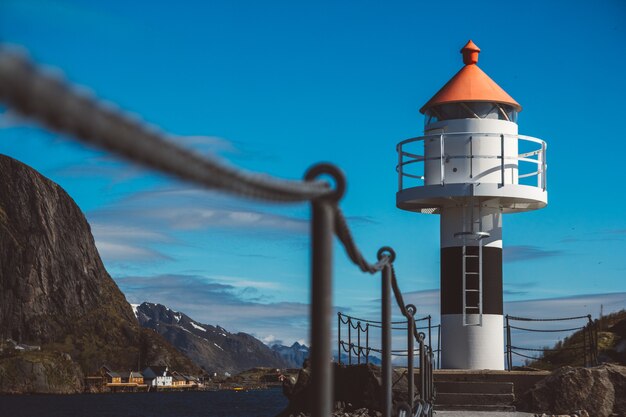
[(471, 167)]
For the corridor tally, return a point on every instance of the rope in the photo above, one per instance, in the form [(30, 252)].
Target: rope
[(555, 319), (525, 356), (398, 294), (374, 322), (548, 350), (342, 231), (547, 331), (64, 108)]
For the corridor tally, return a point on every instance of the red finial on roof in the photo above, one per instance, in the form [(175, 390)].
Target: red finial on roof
[(471, 84), (470, 53)]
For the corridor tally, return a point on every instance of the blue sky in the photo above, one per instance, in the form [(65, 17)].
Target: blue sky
[(278, 86)]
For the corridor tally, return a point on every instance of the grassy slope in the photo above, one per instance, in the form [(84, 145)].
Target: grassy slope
[(611, 345)]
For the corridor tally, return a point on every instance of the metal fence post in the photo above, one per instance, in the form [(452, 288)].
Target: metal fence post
[(322, 232), (367, 343), (585, 335), (423, 364), (410, 323), (386, 340), (438, 346), (339, 338), (430, 340), (349, 340), (509, 355), (358, 342)]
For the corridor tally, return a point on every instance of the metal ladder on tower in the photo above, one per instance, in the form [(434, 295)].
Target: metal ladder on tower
[(472, 294)]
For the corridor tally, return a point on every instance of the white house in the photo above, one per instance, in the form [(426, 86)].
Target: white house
[(157, 376)]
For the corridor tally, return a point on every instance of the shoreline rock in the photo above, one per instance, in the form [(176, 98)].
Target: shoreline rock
[(599, 391)]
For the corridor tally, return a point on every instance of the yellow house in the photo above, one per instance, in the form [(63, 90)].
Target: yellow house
[(109, 376), (132, 377), (178, 379)]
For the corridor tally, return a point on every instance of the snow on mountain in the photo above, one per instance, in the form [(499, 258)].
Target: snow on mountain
[(212, 348)]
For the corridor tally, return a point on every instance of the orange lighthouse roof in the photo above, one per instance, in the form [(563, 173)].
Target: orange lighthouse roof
[(471, 84)]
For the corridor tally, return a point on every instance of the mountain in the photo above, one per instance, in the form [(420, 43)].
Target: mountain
[(54, 290), (374, 360), (293, 355), (212, 348)]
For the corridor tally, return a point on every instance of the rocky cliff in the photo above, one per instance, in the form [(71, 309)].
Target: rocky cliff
[(54, 289), (213, 348)]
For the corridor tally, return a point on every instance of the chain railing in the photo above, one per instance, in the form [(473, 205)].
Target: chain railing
[(353, 337), (585, 349), (66, 109), (424, 406)]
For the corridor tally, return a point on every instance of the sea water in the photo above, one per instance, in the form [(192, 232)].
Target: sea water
[(261, 403)]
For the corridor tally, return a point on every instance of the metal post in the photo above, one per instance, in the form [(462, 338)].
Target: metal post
[(585, 331), (358, 341), (321, 308), (430, 341), (367, 343), (386, 339), (471, 143), (423, 388), (349, 340), (322, 232), (400, 174), (441, 156), (502, 159), (595, 341), (509, 357), (410, 338), (339, 338), (438, 345), (431, 381), (543, 166)]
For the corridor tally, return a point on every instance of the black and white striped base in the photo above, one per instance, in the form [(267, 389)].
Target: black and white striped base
[(471, 308)]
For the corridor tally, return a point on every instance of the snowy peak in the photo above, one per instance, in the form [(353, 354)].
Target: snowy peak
[(294, 355), (211, 347)]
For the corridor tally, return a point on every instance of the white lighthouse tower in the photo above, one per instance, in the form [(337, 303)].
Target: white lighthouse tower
[(471, 167)]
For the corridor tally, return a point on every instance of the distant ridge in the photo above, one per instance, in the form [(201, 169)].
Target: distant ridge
[(293, 355), (213, 348)]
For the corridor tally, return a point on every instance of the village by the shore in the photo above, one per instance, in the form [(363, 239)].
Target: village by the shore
[(158, 378)]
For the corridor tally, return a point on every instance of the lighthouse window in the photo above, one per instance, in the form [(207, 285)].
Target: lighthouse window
[(471, 110)]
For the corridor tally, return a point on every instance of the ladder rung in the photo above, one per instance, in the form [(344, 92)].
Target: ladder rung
[(471, 256), (471, 290), (471, 273)]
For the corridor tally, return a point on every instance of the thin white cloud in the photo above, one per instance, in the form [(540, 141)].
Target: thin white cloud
[(238, 282), (271, 340), (118, 243), (127, 233), (116, 252), (188, 209), (525, 252)]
